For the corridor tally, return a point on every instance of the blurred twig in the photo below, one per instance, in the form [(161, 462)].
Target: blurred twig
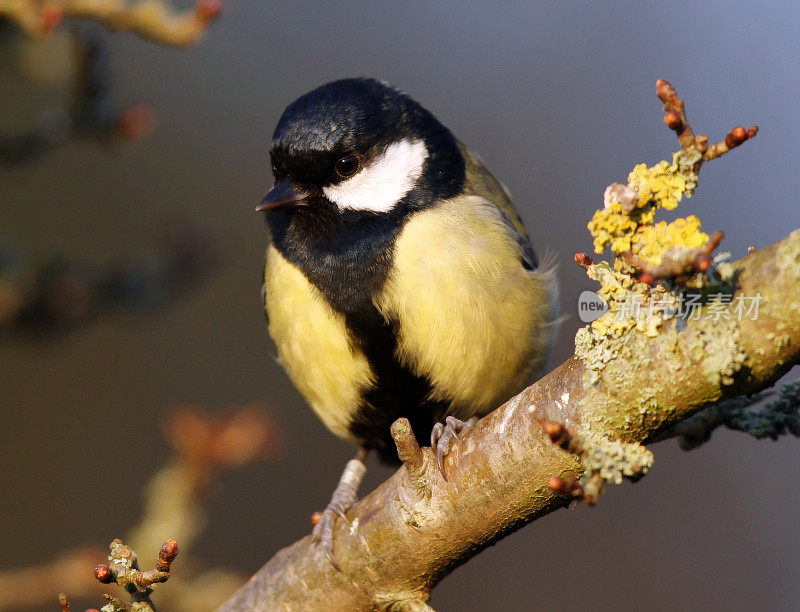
[(205, 446), (91, 113), (59, 295), (154, 20), (35, 586)]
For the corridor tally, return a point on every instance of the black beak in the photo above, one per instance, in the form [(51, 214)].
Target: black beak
[(282, 195)]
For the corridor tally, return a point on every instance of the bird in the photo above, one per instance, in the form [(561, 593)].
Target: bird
[(399, 279)]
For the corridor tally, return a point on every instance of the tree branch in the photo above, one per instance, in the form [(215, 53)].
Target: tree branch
[(415, 528)]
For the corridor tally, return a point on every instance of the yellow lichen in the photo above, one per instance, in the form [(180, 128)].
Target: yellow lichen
[(660, 186), (611, 225), (664, 183), (632, 305), (651, 242)]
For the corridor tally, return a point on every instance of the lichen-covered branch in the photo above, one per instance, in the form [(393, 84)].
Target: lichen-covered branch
[(634, 377), (676, 251), (402, 538), (602, 459), (123, 569)]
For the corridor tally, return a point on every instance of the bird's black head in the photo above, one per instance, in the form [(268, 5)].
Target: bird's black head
[(361, 145)]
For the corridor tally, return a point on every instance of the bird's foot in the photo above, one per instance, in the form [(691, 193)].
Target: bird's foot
[(444, 435), (344, 496)]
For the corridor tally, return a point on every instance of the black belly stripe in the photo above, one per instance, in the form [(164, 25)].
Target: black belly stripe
[(398, 391)]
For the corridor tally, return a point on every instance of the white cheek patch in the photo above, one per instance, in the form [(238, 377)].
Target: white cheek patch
[(383, 183)]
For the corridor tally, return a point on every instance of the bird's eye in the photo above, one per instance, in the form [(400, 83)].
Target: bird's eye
[(348, 165)]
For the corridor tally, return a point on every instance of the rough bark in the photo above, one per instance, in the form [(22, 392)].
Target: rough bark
[(415, 528)]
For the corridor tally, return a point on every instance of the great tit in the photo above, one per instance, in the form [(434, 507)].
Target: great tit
[(399, 279)]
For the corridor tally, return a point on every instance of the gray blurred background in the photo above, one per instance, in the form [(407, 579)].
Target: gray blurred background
[(558, 98)]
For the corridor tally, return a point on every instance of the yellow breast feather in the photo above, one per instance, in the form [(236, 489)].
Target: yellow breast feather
[(313, 345), (471, 317)]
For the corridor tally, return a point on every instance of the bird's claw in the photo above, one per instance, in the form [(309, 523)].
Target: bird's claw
[(345, 495), (323, 534), (443, 435)]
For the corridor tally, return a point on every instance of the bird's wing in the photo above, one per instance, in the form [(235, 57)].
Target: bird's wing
[(479, 181), (529, 259)]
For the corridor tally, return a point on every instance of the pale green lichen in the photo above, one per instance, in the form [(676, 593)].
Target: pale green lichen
[(631, 306), (614, 460), (604, 459), (595, 352), (725, 270), (117, 605), (717, 348), (736, 358)]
